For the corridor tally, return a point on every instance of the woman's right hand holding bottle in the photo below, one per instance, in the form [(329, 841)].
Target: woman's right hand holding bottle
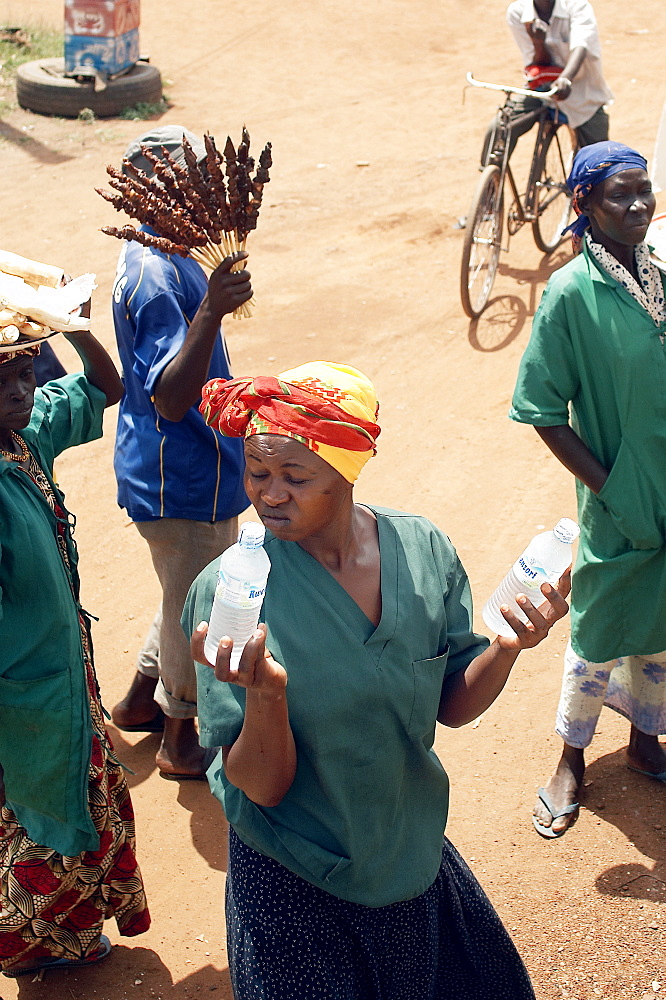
[(256, 670)]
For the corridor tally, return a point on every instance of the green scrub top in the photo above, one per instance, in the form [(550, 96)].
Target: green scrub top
[(45, 728), (597, 359), (365, 815)]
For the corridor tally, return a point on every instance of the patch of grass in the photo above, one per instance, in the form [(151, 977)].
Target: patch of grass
[(32, 42), (143, 110)]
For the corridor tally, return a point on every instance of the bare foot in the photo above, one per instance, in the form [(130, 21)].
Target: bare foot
[(180, 752), (562, 790), (137, 707), (646, 753)]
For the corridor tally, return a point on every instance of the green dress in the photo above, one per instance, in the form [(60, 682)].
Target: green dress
[(597, 360), (45, 727), (365, 815), (67, 858)]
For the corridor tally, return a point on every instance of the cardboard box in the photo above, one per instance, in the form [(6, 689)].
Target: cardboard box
[(108, 55), (101, 18)]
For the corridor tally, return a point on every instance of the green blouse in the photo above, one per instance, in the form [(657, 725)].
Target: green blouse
[(597, 359), (45, 729), (365, 814)]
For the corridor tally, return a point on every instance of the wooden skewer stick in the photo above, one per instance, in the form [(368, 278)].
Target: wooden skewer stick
[(213, 254)]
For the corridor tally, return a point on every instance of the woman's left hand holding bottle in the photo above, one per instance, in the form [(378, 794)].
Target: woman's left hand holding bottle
[(262, 761)]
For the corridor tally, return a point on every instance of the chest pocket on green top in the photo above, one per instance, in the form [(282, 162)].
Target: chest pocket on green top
[(428, 679), (35, 741)]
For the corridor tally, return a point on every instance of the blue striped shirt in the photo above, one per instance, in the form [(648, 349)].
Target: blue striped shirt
[(166, 469)]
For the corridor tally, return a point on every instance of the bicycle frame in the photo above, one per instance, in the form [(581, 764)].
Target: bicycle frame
[(546, 203), (521, 210)]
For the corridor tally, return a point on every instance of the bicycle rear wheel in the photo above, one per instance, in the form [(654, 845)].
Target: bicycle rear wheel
[(553, 199), (483, 239)]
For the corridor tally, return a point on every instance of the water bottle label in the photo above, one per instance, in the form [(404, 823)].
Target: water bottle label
[(529, 574), (240, 596)]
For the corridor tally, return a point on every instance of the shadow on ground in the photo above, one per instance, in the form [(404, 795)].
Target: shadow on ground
[(505, 316), (136, 972), (636, 805), (38, 150)]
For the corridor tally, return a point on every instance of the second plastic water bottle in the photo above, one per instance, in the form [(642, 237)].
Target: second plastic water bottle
[(543, 561), (239, 594)]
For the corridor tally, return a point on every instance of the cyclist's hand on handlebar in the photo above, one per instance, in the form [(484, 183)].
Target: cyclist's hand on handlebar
[(537, 29), (562, 88)]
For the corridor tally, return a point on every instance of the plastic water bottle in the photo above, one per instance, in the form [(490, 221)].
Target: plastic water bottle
[(543, 561), (239, 594)]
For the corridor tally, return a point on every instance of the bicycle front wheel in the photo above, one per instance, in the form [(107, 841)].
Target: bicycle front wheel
[(483, 239), (552, 207)]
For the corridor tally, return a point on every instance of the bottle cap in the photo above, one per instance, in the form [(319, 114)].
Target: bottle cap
[(566, 530), (251, 535)]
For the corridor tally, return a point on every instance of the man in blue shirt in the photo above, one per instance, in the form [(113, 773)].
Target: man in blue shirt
[(180, 481)]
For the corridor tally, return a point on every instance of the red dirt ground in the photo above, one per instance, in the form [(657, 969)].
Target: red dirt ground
[(357, 259)]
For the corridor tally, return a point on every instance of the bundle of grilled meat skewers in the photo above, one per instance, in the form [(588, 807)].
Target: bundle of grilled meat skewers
[(203, 210)]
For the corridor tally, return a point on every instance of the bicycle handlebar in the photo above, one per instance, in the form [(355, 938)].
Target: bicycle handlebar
[(545, 96)]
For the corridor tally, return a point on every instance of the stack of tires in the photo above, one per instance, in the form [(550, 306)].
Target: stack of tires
[(101, 69)]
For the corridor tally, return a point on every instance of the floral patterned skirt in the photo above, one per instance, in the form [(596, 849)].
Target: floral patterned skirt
[(634, 686), (52, 906)]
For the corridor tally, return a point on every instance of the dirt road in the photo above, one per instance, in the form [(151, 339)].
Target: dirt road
[(356, 259)]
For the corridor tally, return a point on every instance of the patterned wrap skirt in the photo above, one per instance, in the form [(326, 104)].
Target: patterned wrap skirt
[(634, 686), (52, 906), (287, 938)]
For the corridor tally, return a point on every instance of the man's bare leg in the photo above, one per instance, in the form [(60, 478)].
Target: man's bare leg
[(137, 708), (180, 752)]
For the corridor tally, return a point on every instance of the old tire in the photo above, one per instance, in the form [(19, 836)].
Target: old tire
[(41, 86)]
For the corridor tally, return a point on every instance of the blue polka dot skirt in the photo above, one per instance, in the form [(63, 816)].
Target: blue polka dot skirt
[(290, 940)]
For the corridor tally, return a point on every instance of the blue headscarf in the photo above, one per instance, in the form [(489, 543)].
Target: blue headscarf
[(592, 165)]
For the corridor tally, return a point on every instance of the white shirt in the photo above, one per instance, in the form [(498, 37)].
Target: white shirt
[(572, 24)]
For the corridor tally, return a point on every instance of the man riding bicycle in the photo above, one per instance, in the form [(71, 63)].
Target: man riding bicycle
[(559, 43)]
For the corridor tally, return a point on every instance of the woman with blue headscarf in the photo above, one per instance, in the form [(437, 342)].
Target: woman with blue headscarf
[(592, 382)]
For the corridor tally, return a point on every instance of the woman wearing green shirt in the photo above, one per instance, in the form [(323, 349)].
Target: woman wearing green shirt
[(67, 858), (339, 886), (592, 381)]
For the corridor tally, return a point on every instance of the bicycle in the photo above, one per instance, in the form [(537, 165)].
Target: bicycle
[(546, 203)]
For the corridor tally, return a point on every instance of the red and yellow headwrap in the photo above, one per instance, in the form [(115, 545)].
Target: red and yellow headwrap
[(10, 351), (331, 409)]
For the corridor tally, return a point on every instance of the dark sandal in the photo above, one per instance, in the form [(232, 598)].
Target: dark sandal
[(102, 951)]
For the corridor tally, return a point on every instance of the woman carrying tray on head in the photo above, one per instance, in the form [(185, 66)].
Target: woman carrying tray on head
[(338, 882), (67, 858), (597, 350)]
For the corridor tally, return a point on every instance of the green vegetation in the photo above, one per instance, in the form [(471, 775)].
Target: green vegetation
[(22, 45), (143, 110), (139, 112), (19, 45)]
